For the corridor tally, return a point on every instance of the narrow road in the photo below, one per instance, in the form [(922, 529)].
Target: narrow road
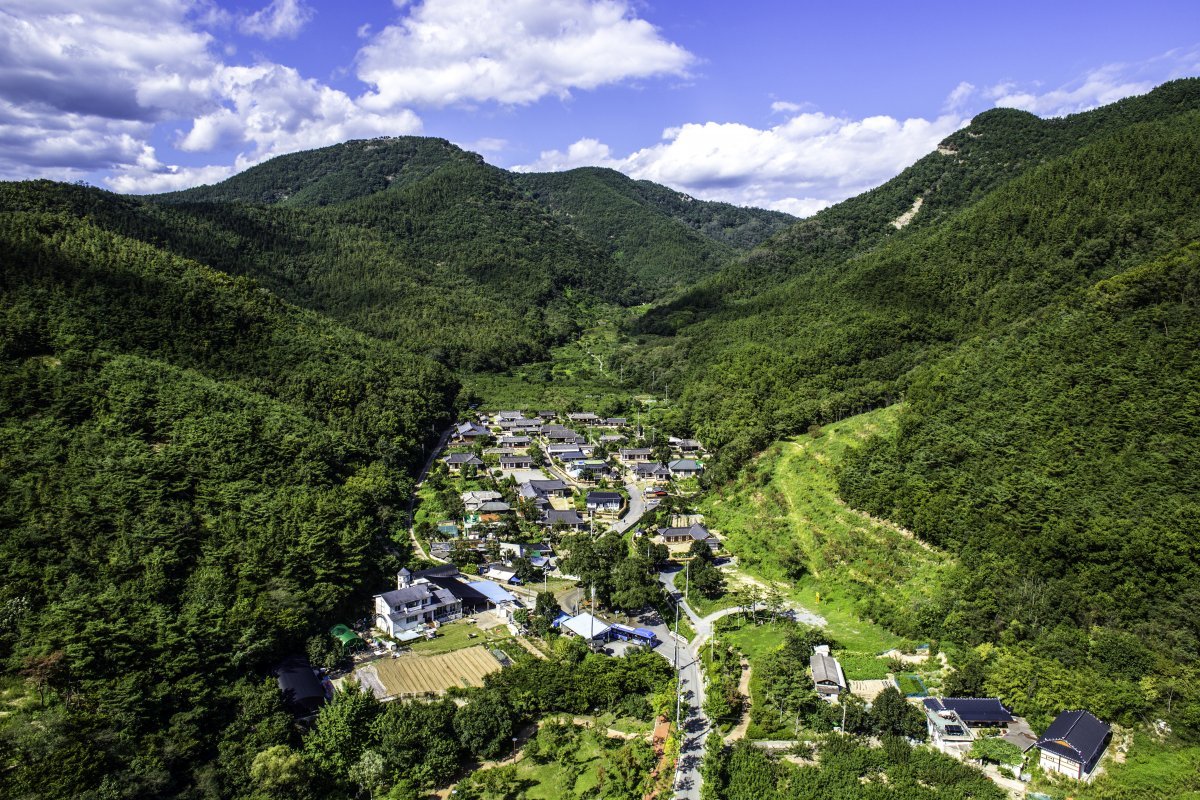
[(412, 501), (637, 507), (696, 726)]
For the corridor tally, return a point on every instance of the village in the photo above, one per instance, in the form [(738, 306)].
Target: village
[(492, 514)]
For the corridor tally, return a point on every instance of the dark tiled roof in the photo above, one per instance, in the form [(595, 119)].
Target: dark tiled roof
[(972, 709), (565, 517), (398, 598), (1077, 735), (603, 497)]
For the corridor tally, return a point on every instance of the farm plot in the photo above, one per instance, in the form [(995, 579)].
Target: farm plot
[(416, 674)]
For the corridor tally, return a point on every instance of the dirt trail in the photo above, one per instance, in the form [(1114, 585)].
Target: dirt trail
[(739, 730)]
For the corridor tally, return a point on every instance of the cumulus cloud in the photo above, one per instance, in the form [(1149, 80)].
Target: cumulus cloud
[(810, 161), (281, 19), (85, 85), (511, 51), (1097, 87), (273, 109)]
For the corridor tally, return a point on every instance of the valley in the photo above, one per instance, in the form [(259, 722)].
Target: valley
[(500, 430)]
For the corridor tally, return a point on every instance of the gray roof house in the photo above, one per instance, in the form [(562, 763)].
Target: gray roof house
[(413, 603), (685, 468), (604, 501), (570, 518), (456, 461), (634, 455), (693, 533), (827, 674), (1073, 744)]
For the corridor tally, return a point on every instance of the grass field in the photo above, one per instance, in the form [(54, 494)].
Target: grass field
[(458, 635), (783, 518), (862, 666)]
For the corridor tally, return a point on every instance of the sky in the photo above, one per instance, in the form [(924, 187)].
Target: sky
[(774, 103)]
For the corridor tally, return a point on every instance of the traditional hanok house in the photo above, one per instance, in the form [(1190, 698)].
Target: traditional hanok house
[(558, 433), (685, 468), (570, 456), (651, 471), (569, 519), (470, 431), (529, 494), (634, 455), (611, 438), (604, 502), (547, 416), (610, 422), (589, 471), (551, 488), (473, 500), (583, 418), (516, 462), (457, 461), (514, 441), (687, 446), (827, 674), (489, 512), (414, 602), (509, 416), (975, 712), (696, 532), (1073, 744)]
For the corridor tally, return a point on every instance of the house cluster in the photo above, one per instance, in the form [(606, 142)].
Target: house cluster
[(425, 599), (512, 434), (1071, 746)]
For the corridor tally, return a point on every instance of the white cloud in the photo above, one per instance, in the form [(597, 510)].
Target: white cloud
[(810, 161), (272, 109), (959, 97), (1097, 87), (511, 51), (281, 19), (786, 107), (84, 86)]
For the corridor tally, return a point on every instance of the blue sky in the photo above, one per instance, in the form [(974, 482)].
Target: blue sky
[(781, 104)]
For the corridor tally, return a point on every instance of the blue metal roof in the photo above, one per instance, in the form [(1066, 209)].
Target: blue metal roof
[(497, 594)]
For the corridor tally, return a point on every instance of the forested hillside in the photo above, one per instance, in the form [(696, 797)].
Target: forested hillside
[(194, 477), (664, 238), (755, 359), (1060, 460)]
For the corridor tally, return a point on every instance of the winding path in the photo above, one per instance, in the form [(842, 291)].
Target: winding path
[(412, 500)]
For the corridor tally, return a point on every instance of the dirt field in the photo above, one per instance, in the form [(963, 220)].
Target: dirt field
[(416, 674)]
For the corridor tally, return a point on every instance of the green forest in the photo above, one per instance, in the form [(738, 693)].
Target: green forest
[(214, 404)]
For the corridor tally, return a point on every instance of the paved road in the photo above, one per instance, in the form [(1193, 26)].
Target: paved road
[(637, 507)]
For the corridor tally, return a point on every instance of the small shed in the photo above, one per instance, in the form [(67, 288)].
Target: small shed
[(303, 693)]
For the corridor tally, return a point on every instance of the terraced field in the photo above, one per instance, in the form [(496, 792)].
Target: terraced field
[(413, 674)]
